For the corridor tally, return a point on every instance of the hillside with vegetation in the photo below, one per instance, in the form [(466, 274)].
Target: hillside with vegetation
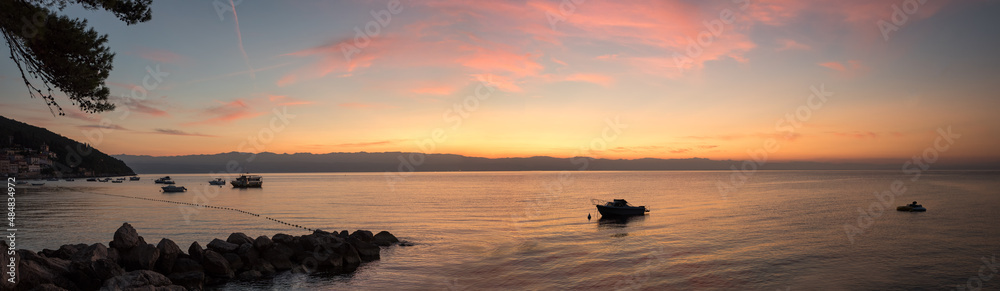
[(29, 151)]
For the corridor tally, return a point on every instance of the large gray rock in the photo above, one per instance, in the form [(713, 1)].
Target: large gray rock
[(92, 253), (366, 251), (351, 259), (279, 256), (216, 265), (196, 252), (35, 270), (91, 275), (363, 235), (262, 243), (184, 265), (126, 237), (222, 246), (249, 255), (168, 255), (384, 238), (193, 280), (282, 238), (140, 280), (235, 262), (140, 257), (239, 238), (265, 268)]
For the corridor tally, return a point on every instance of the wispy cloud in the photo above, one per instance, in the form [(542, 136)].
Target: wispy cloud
[(178, 132), (360, 105)]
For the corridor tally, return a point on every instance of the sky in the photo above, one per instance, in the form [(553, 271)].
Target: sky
[(836, 81)]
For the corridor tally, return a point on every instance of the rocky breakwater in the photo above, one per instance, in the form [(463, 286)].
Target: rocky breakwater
[(130, 263)]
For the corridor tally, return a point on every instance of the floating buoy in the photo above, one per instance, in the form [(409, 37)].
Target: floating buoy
[(588, 216)]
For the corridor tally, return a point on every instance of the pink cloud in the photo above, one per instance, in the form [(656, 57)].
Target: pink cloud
[(788, 44), (359, 105), (603, 80), (434, 90), (850, 68)]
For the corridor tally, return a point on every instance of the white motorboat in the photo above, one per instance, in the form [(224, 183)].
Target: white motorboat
[(619, 207), (217, 182), (162, 180)]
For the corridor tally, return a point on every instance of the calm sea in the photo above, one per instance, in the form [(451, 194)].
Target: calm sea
[(781, 230)]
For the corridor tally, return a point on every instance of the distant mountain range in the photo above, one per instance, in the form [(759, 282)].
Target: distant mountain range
[(31, 146), (391, 162)]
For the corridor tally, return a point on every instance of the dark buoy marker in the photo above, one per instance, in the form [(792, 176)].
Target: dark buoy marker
[(588, 216)]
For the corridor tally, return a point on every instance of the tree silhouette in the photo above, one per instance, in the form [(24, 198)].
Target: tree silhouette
[(63, 53)]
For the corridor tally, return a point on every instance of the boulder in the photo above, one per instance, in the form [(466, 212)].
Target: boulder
[(279, 256), (222, 246), (264, 268), (366, 251), (126, 237), (216, 265), (64, 252), (262, 243), (193, 280), (92, 253), (384, 238), (282, 238), (140, 257), (90, 275), (249, 275), (168, 255), (196, 252), (140, 280), (235, 263), (363, 235), (184, 265), (344, 234), (35, 270), (350, 257), (48, 287), (239, 238), (249, 255)]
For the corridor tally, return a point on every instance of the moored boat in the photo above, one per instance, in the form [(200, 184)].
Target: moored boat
[(217, 182), (912, 207), (162, 180), (247, 181), (118, 181), (172, 188), (133, 178), (620, 207)]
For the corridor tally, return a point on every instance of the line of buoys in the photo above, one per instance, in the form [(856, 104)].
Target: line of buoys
[(206, 206)]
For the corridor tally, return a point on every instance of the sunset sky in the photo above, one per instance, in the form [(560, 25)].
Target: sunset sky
[(706, 79)]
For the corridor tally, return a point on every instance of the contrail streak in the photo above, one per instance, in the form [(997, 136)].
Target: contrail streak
[(239, 37)]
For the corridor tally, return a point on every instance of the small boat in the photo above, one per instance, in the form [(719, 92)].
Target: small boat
[(162, 180), (104, 180), (118, 181), (37, 183), (172, 188), (217, 182), (247, 181), (133, 178), (91, 179), (21, 182), (121, 178), (620, 207), (912, 207)]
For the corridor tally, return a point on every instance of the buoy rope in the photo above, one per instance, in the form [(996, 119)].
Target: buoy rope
[(204, 206)]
